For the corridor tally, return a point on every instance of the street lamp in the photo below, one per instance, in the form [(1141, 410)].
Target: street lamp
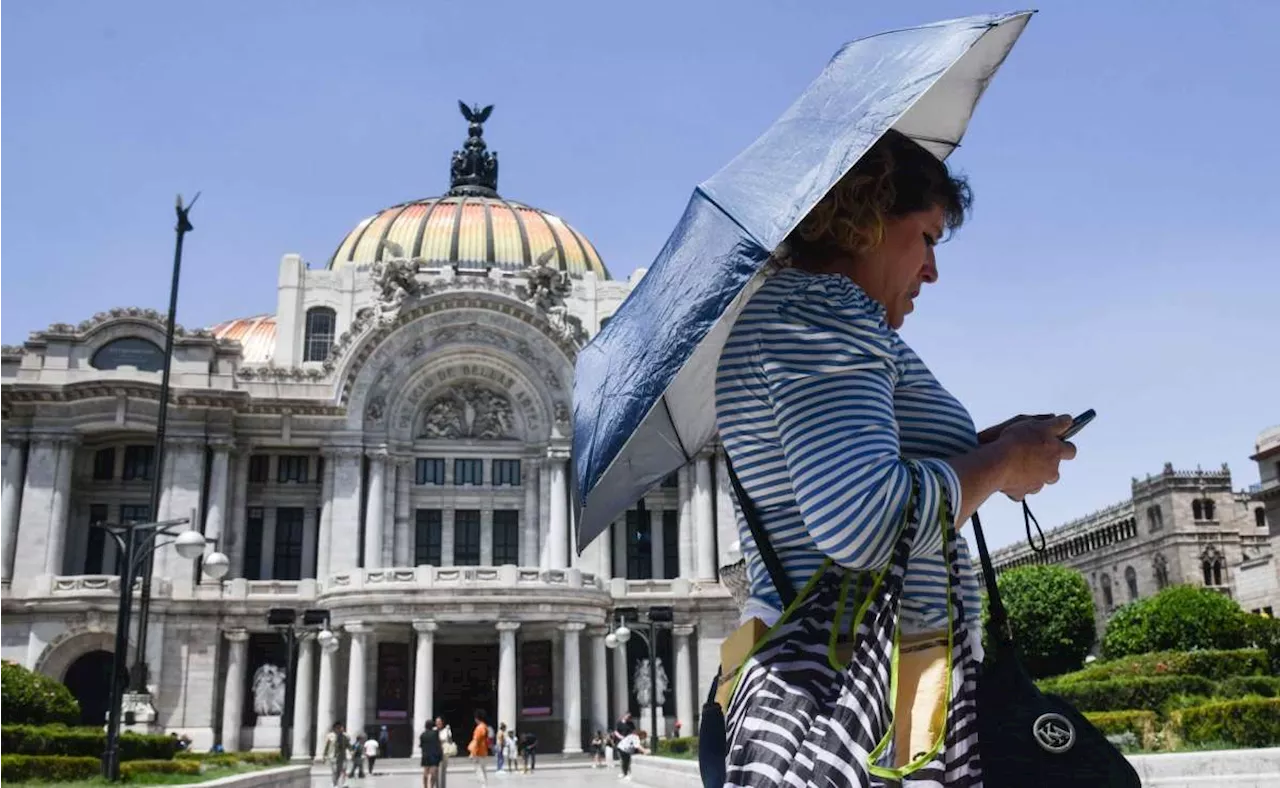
[(138, 542), (285, 621), (660, 617)]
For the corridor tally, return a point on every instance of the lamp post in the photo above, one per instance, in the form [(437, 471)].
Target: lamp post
[(660, 617), (162, 416), (285, 621), (137, 543)]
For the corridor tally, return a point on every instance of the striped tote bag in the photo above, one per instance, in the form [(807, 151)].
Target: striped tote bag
[(798, 717)]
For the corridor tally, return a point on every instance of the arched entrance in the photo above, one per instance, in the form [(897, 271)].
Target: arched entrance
[(89, 679)]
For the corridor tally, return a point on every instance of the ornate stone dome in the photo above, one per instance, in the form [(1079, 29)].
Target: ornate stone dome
[(471, 226)]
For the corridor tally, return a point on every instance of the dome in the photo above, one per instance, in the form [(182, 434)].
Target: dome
[(256, 335), (471, 226)]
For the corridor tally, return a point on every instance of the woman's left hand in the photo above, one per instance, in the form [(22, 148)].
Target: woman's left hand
[(991, 434)]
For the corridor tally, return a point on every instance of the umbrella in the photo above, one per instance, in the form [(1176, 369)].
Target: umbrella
[(644, 388)]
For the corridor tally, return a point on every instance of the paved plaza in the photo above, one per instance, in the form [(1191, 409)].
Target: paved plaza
[(404, 773)]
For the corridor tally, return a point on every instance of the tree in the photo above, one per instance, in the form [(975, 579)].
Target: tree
[(1051, 616), (1179, 618), (29, 698)]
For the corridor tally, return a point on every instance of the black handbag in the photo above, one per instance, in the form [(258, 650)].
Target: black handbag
[(1028, 737)]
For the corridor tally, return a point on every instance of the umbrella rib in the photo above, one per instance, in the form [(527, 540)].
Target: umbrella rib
[(674, 430), (706, 195)]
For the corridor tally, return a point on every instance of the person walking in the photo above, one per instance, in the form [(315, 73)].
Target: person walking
[(530, 742), (500, 748), (371, 753), (478, 747), (336, 747), (432, 755), (448, 748)]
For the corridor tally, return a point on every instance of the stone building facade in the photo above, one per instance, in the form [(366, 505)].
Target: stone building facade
[(391, 446), (1178, 527)]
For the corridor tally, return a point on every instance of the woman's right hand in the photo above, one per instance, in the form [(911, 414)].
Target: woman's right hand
[(1031, 452)]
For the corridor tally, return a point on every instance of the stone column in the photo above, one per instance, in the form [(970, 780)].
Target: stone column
[(704, 518), (599, 680), (507, 673), (14, 472), (529, 540), (621, 689), (326, 716), (424, 675), (183, 483), (215, 512), (234, 543), (325, 534), (558, 533), (404, 526), (726, 516), (233, 689), (59, 507), (35, 520), (356, 678), (572, 688), (684, 678), (373, 509), (685, 522), (486, 535), (657, 555), (344, 533), (302, 699)]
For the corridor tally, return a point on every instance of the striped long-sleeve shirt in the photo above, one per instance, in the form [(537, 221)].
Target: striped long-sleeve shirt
[(823, 409)]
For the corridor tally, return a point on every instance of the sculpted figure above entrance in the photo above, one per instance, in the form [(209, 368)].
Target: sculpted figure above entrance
[(469, 411)]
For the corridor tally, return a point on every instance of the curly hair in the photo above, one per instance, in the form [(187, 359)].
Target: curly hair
[(894, 178)]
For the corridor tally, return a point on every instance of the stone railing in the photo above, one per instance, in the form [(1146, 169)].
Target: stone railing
[(459, 578), (90, 585)]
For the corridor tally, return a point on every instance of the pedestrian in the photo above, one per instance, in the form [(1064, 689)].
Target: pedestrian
[(530, 742), (336, 747), (432, 755), (627, 746), (597, 750), (448, 747), (500, 750), (384, 742), (371, 753), (478, 747), (357, 756)]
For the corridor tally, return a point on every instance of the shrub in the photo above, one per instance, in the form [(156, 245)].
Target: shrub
[(1240, 686), (28, 698), (47, 768), (680, 746), (1211, 664), (1050, 615), (1246, 723), (1264, 632), (132, 769), (1129, 693), (1139, 724), (260, 758), (1180, 618), (89, 742)]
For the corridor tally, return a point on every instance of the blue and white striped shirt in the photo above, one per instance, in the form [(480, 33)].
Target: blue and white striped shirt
[(823, 408)]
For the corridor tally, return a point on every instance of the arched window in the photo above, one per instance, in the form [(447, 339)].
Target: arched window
[(1217, 572), (1131, 580), (1107, 599), (1197, 509), (1155, 518), (1208, 509), (322, 323), (1206, 566), (1260, 517), (129, 352)]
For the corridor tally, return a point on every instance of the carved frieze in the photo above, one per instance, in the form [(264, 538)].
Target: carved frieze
[(468, 410)]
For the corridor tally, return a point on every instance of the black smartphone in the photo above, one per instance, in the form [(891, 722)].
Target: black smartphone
[(1078, 423)]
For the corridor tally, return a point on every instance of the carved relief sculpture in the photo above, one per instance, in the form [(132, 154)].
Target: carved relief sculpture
[(268, 690), (641, 682), (469, 411)]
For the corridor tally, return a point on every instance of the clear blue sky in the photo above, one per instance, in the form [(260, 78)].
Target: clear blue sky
[(1122, 254)]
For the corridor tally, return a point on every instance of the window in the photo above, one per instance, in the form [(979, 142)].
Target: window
[(253, 544), (258, 468), (428, 529), (639, 543), (468, 472), (1208, 509), (292, 468), (137, 462), (1197, 509), (506, 472), (319, 473), (1260, 517), (286, 561), (429, 470), (104, 465), (135, 513), (1212, 568), (670, 544), (1107, 600), (506, 537), (1155, 517), (466, 537), (1131, 580), (97, 545), (129, 352), (322, 323)]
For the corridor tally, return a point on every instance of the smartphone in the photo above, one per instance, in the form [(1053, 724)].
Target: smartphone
[(1078, 423)]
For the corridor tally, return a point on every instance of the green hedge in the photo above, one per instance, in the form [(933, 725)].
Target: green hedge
[(1141, 724), (131, 769), (1129, 693), (47, 768), (28, 698), (1264, 632), (1245, 723), (1240, 686), (88, 742), (1212, 664), (1179, 618), (680, 746)]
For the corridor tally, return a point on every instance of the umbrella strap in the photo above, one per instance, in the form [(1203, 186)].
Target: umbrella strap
[(786, 591)]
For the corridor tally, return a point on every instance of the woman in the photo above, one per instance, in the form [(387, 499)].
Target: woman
[(827, 414), (447, 746), (432, 755), (478, 747)]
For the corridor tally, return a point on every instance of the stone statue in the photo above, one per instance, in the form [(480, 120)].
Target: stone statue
[(547, 286), (396, 280), (469, 411), (268, 690), (641, 680)]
